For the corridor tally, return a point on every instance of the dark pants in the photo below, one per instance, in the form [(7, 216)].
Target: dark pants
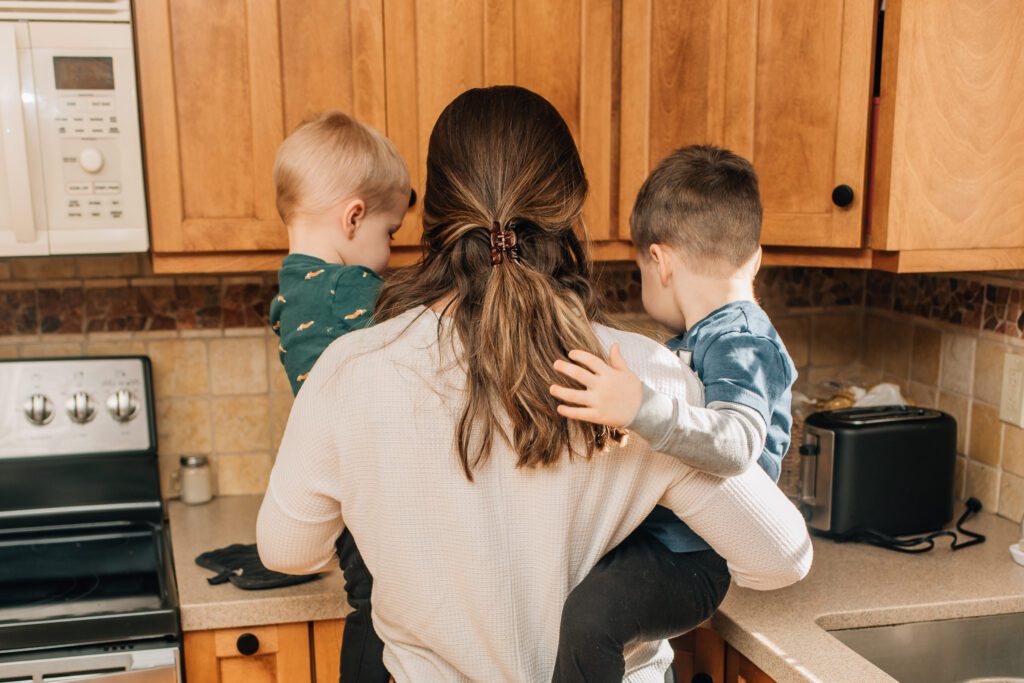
[(639, 591), (362, 651)]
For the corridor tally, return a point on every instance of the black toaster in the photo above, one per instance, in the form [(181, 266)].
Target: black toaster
[(887, 469)]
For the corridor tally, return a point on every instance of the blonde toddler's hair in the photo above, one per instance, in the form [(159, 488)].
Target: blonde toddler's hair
[(331, 157)]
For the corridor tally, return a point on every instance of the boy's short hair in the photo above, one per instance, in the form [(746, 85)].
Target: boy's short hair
[(331, 157), (702, 200)]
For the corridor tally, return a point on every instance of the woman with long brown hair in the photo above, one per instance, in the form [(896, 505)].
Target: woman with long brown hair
[(434, 438)]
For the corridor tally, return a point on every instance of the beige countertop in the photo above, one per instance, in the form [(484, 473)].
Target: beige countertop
[(783, 632), (852, 585), (223, 521)]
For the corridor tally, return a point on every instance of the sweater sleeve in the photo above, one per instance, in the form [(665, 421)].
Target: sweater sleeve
[(749, 522), (300, 518), (723, 439)]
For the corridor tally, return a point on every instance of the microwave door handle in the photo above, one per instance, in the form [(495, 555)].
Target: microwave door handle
[(12, 136)]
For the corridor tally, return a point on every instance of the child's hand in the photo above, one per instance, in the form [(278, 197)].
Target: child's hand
[(612, 393)]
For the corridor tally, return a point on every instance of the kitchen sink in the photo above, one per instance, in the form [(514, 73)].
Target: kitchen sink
[(976, 650)]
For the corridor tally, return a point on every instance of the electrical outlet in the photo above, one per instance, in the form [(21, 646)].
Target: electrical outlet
[(1012, 408)]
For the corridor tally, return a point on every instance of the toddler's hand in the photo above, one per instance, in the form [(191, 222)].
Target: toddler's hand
[(611, 395)]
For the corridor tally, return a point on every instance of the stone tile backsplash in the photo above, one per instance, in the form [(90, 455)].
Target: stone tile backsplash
[(221, 391)]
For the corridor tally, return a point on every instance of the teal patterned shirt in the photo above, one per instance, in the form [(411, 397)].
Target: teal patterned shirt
[(317, 302)]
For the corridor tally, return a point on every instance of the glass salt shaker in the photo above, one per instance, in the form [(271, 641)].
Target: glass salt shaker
[(194, 480)]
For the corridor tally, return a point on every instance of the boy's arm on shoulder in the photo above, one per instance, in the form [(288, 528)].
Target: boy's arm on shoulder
[(723, 440)]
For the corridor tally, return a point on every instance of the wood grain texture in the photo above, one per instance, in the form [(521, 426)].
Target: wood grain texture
[(817, 258), (783, 82), (739, 669), (948, 260), (327, 636), (159, 124), (282, 657), (955, 95)]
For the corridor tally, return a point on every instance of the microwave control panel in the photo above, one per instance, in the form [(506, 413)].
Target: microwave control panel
[(91, 154)]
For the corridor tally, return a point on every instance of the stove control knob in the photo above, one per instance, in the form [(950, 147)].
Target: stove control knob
[(80, 407), (91, 160), (122, 406), (39, 409)]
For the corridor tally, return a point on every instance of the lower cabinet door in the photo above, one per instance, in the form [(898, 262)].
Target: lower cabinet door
[(259, 654), (327, 649), (739, 669)]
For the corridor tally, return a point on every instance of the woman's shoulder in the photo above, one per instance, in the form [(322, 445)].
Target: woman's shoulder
[(377, 340), (659, 367)]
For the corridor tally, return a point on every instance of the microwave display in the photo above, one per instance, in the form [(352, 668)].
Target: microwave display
[(84, 73)]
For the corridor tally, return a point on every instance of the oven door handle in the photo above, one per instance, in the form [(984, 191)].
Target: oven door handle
[(12, 140), (157, 674)]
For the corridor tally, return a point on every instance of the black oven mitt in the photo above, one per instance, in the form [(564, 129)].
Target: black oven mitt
[(240, 564)]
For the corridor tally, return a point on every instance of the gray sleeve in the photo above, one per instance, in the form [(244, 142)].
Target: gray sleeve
[(723, 439)]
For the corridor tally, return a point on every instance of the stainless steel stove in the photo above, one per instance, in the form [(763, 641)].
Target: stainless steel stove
[(86, 583)]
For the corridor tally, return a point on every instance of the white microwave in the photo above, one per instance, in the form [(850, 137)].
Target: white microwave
[(71, 168)]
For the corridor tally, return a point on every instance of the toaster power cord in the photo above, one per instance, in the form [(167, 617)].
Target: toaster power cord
[(920, 544)]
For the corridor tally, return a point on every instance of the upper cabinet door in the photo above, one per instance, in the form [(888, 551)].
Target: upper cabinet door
[(562, 49), (220, 88), (950, 162), (785, 83)]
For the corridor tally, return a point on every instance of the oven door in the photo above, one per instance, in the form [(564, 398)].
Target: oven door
[(157, 664)]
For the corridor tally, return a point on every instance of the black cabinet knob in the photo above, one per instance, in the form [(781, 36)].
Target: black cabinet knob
[(842, 195), (248, 644), (702, 678)]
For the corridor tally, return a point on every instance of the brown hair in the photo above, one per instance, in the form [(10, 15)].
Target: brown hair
[(330, 157), (503, 155), (704, 201)]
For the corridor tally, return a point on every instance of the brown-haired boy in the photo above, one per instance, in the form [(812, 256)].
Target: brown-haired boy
[(696, 226)]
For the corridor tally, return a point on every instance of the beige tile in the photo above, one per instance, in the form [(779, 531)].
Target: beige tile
[(957, 406), (8, 351), (922, 395), (51, 349), (887, 345), (43, 268), (240, 424), (116, 265), (983, 484), (1011, 496), (959, 477), (111, 347), (275, 370), (957, 363), (986, 434), (988, 371), (180, 367), (796, 335), (836, 339), (280, 409), (183, 426), (925, 355), (243, 474), (1013, 449), (238, 365)]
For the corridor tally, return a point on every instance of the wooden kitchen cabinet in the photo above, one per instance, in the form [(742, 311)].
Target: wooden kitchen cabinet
[(562, 49), (220, 90), (281, 653), (949, 172), (785, 83), (258, 654), (220, 87), (739, 669)]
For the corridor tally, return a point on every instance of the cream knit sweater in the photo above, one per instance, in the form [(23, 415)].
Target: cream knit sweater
[(470, 578)]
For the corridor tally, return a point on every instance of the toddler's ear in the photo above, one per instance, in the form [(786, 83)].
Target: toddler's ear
[(352, 217), (662, 261)]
